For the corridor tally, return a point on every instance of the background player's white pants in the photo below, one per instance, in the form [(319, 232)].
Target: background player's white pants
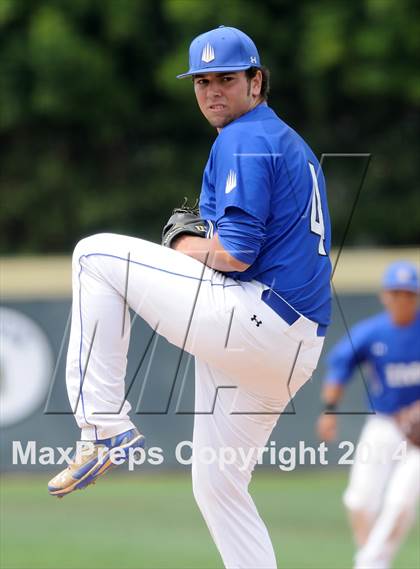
[(240, 345), (385, 483)]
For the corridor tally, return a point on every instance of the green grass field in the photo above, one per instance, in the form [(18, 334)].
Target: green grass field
[(151, 521)]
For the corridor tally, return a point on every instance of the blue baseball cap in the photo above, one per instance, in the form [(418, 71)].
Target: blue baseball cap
[(222, 49), (401, 275)]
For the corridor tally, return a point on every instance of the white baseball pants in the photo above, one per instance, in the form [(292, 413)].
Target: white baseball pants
[(249, 363), (384, 483)]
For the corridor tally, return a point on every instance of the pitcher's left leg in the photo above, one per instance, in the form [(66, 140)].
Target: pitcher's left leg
[(220, 484)]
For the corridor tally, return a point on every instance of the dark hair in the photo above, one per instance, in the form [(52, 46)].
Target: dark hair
[(265, 84)]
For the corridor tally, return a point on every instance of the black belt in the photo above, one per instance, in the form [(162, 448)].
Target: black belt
[(285, 311)]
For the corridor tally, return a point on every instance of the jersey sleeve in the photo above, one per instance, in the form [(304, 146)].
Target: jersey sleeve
[(350, 352), (241, 234), (244, 172)]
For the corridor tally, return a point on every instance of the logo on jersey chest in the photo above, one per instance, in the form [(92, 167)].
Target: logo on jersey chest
[(379, 349)]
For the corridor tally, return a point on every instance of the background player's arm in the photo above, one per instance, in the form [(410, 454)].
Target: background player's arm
[(342, 362), (331, 396), (209, 251)]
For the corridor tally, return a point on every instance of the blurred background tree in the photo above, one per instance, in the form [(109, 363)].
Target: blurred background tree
[(97, 134)]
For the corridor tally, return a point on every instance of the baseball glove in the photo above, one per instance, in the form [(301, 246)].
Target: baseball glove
[(186, 221), (409, 422)]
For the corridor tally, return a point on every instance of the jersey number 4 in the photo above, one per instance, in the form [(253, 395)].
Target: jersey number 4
[(317, 219)]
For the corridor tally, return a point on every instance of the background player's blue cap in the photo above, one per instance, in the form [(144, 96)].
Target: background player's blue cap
[(401, 275), (222, 49)]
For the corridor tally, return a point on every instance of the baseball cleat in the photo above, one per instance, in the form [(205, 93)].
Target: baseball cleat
[(94, 460)]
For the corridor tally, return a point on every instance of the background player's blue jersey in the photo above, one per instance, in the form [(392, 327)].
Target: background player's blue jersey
[(392, 355), (264, 189)]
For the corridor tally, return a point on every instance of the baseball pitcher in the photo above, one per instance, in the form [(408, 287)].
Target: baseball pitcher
[(243, 285)]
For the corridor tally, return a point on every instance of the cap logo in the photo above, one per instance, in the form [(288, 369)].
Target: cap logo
[(403, 275), (253, 59), (207, 54)]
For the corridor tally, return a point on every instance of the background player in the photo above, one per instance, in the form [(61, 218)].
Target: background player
[(251, 302), (383, 488)]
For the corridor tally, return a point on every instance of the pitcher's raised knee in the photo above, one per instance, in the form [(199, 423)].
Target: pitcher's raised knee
[(88, 245)]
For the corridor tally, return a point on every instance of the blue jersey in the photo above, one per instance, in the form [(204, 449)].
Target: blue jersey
[(392, 357), (265, 191)]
